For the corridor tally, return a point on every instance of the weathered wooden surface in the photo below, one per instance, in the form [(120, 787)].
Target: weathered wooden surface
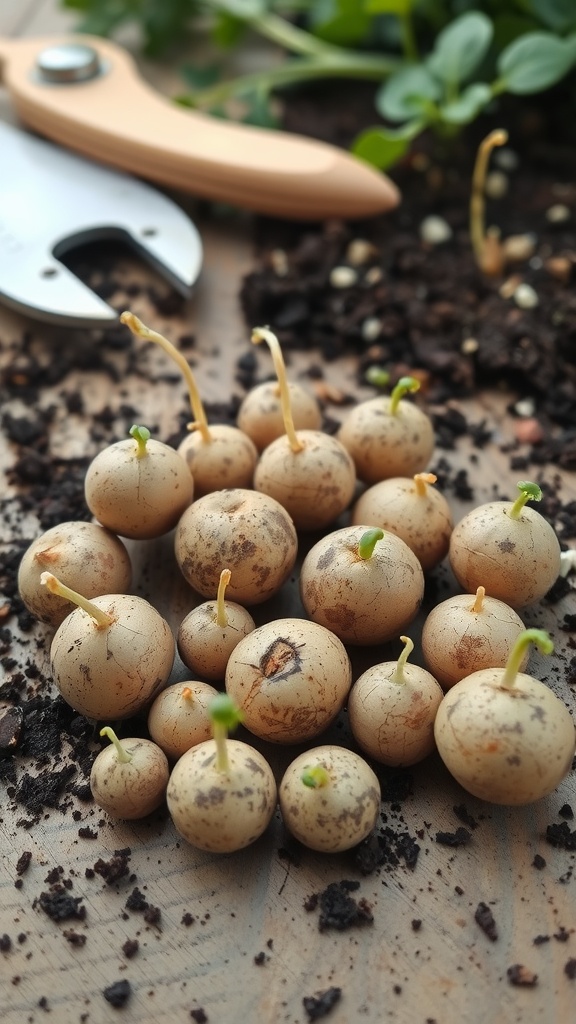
[(253, 902)]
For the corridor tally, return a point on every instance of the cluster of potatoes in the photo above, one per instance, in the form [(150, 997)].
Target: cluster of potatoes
[(238, 499)]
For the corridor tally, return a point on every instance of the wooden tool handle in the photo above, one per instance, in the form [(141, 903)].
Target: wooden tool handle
[(117, 118)]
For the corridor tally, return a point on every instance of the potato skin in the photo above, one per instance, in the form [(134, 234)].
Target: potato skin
[(87, 557), (244, 531), (260, 413), (227, 460), (507, 746), (111, 673), (364, 601), (314, 485), (457, 640), (335, 817), (176, 722), (422, 521), (221, 811), (385, 445), (394, 722), (134, 789), (516, 560), (290, 677), (136, 497)]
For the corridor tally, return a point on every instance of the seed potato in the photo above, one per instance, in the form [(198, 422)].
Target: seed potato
[(221, 811), (246, 531), (314, 484), (134, 788), (391, 709), (138, 495), (362, 600), (112, 672), (469, 632), (204, 645), (260, 413), (86, 556), (517, 559), (506, 746), (228, 459), (385, 445), (337, 812), (413, 511), (290, 677), (179, 719)]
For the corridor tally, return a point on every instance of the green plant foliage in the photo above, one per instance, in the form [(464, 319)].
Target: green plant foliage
[(434, 63)]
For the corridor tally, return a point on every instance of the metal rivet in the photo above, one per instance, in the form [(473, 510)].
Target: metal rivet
[(69, 62)]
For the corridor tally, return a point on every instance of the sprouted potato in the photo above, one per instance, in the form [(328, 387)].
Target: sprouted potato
[(391, 709), (179, 718), (504, 735), (209, 633), (329, 798), (128, 779)]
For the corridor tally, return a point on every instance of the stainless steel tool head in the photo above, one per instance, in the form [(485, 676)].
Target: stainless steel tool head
[(52, 201)]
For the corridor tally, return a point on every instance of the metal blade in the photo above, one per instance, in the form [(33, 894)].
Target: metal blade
[(52, 201)]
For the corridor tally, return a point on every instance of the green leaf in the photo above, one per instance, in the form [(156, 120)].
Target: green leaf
[(382, 147), (460, 48), (339, 21), (402, 96), (228, 30), (468, 105), (559, 15), (534, 62), (200, 78), (401, 8)]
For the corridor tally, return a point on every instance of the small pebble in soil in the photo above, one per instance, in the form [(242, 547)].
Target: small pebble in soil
[(118, 993), (435, 230), (559, 213), (525, 296)]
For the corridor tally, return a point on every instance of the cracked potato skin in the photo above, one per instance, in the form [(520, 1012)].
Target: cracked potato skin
[(364, 601), (221, 811), (394, 722), (504, 745), (113, 672), (290, 677), (339, 815), (517, 560)]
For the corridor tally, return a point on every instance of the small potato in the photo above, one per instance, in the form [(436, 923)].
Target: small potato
[(179, 718), (248, 532), (314, 484), (340, 809), (413, 511), (391, 708), (86, 556), (517, 559), (363, 600), (383, 444), (469, 632), (260, 413), (505, 745), (221, 811), (112, 672), (138, 495), (290, 677), (134, 788), (204, 645), (227, 460)]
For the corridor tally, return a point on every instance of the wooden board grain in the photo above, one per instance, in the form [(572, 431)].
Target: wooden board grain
[(253, 951)]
